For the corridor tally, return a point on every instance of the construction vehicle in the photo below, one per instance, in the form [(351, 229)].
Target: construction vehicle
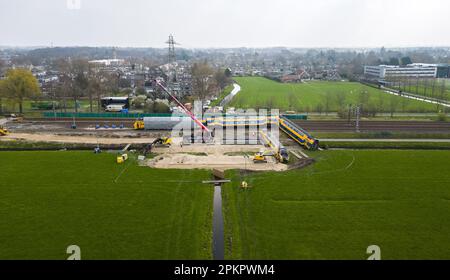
[(163, 141), (260, 157), (139, 125), (3, 131), (15, 118), (278, 150), (121, 158)]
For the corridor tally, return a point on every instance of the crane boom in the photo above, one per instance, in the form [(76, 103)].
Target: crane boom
[(189, 113)]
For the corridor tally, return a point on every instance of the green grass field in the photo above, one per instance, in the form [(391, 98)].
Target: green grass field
[(314, 96), (346, 201), (333, 209), (50, 200)]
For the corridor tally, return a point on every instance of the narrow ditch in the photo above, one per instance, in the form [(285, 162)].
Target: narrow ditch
[(218, 235)]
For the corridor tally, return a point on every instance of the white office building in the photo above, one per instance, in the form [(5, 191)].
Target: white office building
[(108, 62), (411, 71)]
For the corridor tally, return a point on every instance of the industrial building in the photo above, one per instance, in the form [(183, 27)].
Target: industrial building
[(415, 70)]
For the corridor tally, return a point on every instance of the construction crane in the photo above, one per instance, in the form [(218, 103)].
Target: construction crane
[(140, 123), (181, 105), (277, 149)]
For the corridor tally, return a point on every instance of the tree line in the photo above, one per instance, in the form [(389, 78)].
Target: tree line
[(77, 79)]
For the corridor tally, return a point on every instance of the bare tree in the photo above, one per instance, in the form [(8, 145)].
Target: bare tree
[(340, 100), (79, 71), (221, 79), (292, 101), (393, 104), (201, 78), (327, 102), (433, 88), (441, 95)]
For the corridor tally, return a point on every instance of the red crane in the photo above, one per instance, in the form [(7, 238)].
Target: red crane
[(193, 117)]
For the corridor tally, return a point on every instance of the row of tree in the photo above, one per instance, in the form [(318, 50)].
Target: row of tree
[(76, 80)]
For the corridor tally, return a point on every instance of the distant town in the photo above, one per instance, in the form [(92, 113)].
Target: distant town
[(86, 73)]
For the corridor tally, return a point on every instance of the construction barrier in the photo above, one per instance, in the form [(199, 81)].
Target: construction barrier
[(296, 117), (103, 115)]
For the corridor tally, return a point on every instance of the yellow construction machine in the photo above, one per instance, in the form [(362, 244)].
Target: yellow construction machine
[(163, 141), (3, 131), (277, 149), (139, 125), (260, 157)]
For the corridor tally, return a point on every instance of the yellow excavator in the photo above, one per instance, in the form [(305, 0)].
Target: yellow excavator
[(163, 141), (260, 157), (3, 131)]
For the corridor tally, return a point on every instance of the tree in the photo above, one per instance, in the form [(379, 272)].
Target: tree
[(201, 73), (380, 105), (75, 76), (405, 60), (271, 102), (2, 65), (319, 108), (79, 71), (141, 91), (363, 100), (340, 100), (221, 79), (393, 104), (228, 73), (19, 85), (441, 94), (2, 95), (160, 107), (327, 102), (292, 101), (394, 61)]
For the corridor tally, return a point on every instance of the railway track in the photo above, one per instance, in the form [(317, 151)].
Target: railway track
[(407, 126), (314, 126)]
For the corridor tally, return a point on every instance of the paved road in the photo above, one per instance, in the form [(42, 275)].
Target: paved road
[(387, 140), (415, 97), (230, 96)]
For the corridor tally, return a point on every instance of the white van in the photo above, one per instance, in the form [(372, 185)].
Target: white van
[(114, 108)]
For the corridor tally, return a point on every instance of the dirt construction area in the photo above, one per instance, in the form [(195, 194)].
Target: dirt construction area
[(193, 156), (212, 156), (78, 138)]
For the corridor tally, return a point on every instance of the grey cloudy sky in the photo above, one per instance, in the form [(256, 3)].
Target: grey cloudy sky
[(226, 23)]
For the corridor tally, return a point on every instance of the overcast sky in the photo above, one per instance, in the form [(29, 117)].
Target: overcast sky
[(226, 23)]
